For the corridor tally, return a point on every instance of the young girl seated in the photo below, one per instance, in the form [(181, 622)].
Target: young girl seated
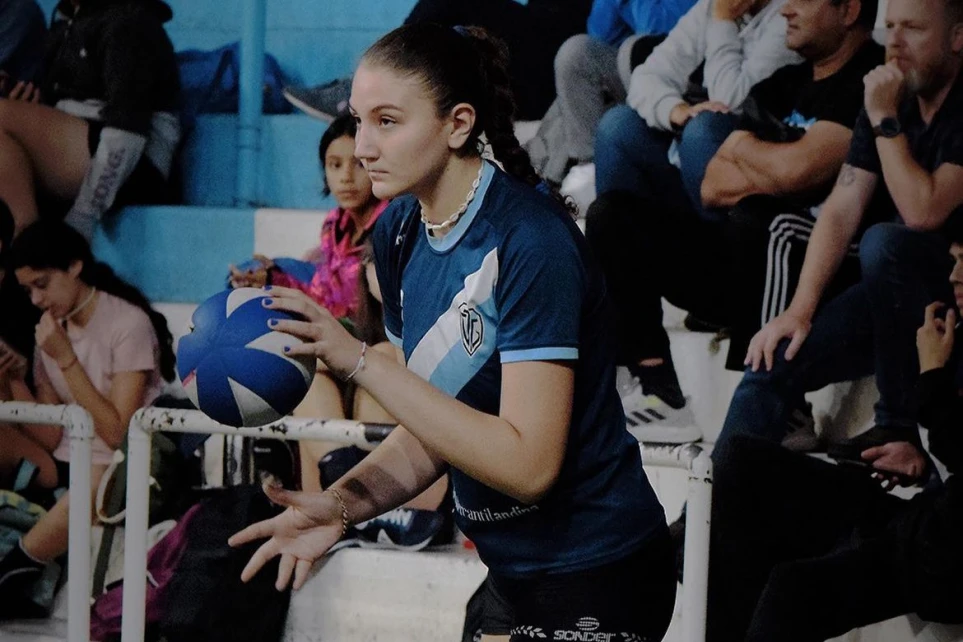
[(328, 273), (99, 345)]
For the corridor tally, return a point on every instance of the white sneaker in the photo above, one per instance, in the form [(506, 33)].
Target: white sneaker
[(579, 183), (651, 420)]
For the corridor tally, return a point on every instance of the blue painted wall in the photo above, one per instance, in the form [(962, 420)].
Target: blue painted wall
[(176, 254)]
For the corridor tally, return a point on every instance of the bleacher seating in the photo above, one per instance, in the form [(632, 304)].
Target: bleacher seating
[(179, 256)]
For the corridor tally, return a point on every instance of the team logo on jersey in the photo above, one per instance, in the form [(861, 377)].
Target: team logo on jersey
[(472, 329)]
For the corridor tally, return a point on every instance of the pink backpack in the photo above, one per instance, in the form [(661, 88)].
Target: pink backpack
[(162, 562)]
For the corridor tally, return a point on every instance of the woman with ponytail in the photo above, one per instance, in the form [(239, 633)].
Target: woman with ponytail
[(506, 368), (99, 345)]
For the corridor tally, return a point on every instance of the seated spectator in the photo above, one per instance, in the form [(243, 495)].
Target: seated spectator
[(533, 31), (591, 74), (329, 273), (100, 129), (99, 345), (737, 45), (643, 197), (902, 181), (779, 166), (831, 551), (22, 33)]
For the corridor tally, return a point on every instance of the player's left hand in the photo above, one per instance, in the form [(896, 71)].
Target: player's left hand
[(324, 336), (883, 90)]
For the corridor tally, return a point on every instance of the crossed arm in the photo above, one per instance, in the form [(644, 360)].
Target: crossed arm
[(746, 165)]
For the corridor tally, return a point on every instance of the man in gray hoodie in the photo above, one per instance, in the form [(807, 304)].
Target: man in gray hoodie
[(656, 149), (736, 44)]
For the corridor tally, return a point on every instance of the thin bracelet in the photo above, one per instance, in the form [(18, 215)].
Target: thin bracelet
[(69, 365), (344, 510), (357, 368)]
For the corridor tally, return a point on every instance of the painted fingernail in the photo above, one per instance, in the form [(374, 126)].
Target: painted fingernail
[(267, 287), (267, 302), (273, 323), (287, 348)]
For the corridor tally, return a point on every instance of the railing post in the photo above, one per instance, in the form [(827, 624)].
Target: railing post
[(695, 574), (135, 531), (81, 431)]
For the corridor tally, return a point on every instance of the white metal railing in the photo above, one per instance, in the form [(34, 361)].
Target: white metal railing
[(146, 421), (695, 573), (80, 428)]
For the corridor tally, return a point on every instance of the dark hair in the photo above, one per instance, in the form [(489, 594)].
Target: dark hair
[(462, 65), (343, 125), (55, 245), (868, 9), (368, 317), (953, 228)]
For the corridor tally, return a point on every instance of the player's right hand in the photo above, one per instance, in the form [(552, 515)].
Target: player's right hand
[(301, 535)]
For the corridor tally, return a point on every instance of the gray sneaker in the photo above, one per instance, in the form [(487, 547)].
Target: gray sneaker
[(324, 102)]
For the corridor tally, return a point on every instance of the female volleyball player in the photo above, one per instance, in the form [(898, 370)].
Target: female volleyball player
[(502, 321)]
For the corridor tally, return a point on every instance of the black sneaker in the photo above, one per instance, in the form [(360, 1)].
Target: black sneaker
[(324, 102), (403, 529), (693, 323), (851, 450)]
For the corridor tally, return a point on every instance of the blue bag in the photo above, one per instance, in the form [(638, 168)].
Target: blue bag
[(210, 82)]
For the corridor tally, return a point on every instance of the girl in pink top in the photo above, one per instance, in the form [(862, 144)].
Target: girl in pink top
[(99, 345), (330, 273)]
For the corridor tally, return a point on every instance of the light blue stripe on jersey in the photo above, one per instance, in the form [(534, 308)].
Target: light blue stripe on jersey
[(441, 356), (540, 354)]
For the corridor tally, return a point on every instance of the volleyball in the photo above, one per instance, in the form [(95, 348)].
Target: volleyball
[(232, 365)]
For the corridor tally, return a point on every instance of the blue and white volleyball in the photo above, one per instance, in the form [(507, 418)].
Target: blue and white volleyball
[(233, 366)]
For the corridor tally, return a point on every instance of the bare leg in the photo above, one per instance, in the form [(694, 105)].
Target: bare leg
[(49, 537), (16, 446), (40, 148)]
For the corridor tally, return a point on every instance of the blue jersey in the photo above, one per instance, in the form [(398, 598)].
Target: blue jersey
[(512, 282)]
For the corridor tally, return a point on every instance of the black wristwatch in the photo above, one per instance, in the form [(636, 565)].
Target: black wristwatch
[(889, 127)]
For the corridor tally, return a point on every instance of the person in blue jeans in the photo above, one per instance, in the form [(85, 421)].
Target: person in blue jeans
[(682, 105), (902, 181)]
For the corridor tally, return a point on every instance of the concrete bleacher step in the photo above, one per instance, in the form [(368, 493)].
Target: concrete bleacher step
[(373, 595)]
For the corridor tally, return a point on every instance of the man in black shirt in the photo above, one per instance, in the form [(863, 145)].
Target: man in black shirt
[(780, 165), (804, 550), (905, 167), (648, 253)]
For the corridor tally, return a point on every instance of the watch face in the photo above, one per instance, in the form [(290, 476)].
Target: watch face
[(889, 127)]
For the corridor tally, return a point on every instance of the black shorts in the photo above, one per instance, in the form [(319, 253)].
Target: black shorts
[(146, 185), (630, 600)]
